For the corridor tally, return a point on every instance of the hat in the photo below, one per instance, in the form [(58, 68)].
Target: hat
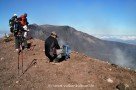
[(54, 34)]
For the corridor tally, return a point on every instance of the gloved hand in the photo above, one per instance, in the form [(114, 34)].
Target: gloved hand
[(26, 28)]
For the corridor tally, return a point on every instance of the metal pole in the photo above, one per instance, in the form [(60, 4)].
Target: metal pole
[(22, 60), (18, 63)]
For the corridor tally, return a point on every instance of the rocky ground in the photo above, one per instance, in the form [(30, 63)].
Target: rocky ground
[(80, 72)]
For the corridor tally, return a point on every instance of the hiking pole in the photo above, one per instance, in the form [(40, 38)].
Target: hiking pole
[(18, 58), (22, 60), (18, 63), (21, 48)]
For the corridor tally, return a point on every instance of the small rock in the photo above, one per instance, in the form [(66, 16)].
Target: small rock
[(89, 81), (17, 81), (90, 58), (114, 65), (125, 67), (122, 86), (128, 68), (109, 80), (91, 85), (2, 58), (126, 85), (108, 62)]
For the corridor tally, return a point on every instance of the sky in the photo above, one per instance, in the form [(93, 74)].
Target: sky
[(112, 17)]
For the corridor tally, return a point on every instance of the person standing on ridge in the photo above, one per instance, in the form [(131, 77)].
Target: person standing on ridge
[(24, 23), (51, 44)]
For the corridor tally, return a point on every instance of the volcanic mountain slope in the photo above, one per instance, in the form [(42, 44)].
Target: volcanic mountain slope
[(114, 52), (80, 72)]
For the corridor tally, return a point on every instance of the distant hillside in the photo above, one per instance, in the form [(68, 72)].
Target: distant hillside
[(114, 52), (1, 35)]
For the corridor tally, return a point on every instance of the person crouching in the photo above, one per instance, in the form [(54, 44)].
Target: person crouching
[(51, 44)]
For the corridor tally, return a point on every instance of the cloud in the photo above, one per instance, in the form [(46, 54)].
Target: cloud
[(61, 42), (121, 37)]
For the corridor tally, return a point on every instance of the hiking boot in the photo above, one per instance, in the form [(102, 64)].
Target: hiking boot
[(25, 50), (18, 50), (26, 47), (56, 61)]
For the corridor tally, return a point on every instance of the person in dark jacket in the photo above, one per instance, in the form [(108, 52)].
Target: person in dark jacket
[(51, 44)]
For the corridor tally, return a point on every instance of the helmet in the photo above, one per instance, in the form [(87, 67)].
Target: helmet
[(15, 15)]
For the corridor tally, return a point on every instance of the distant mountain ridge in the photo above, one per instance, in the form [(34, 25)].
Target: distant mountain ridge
[(114, 52)]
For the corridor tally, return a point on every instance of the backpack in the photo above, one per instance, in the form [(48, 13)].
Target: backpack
[(23, 20), (11, 24), (14, 25), (66, 51)]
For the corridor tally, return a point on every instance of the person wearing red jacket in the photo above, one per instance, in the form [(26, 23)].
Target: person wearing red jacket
[(23, 20), (24, 23)]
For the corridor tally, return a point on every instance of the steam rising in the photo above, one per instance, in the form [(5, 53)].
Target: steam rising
[(61, 42), (123, 59)]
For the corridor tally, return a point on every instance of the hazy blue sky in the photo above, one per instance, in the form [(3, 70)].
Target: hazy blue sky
[(116, 17)]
